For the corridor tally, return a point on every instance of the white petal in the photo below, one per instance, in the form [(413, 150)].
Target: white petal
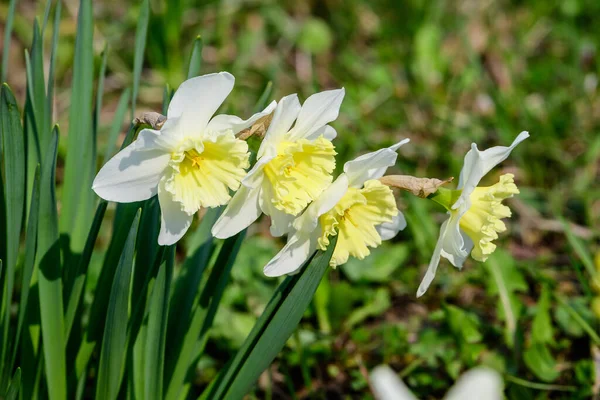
[(308, 221), (255, 176), (318, 110), (174, 222), (454, 248), (327, 131), (478, 163), (433, 264), (291, 257), (388, 386), (133, 173), (283, 117), (241, 212), (477, 384), (281, 223), (224, 122), (371, 165), (388, 230), (197, 99)]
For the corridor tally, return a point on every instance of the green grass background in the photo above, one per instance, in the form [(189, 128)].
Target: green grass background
[(444, 74)]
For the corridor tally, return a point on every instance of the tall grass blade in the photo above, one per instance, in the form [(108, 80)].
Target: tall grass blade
[(100, 91), (140, 46), (79, 164), (157, 328), (195, 58), (111, 142), (52, 67), (13, 184), (49, 279), (75, 283), (8, 25), (193, 324), (113, 351), (30, 251), (276, 324), (15, 386)]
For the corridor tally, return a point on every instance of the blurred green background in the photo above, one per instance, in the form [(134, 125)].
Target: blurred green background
[(444, 74)]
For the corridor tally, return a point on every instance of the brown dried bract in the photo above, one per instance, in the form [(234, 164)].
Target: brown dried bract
[(154, 119), (258, 129), (421, 187)]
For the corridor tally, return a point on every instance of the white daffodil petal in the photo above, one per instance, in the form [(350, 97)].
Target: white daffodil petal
[(242, 210), (327, 131), (478, 163), (281, 223), (371, 165), (174, 222), (291, 257), (317, 111), (387, 385), (283, 117), (197, 99), (255, 176), (308, 221), (133, 173), (477, 384), (224, 122), (433, 264), (453, 242), (389, 230)]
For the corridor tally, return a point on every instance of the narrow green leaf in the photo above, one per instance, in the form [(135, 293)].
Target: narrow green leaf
[(264, 97), (111, 142), (157, 329), (53, 53), (195, 58), (34, 153), (75, 282), (8, 24), (140, 46), (15, 385), (541, 328), (276, 324), (30, 251), (100, 90), (538, 359), (191, 325), (46, 15), (580, 249), (77, 199), (13, 173), (113, 351), (38, 88), (49, 279)]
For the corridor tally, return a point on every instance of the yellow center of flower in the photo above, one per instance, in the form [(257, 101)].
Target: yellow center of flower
[(299, 173), (203, 174), (482, 221), (355, 217)]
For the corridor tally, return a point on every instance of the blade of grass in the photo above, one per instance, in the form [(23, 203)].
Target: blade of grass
[(53, 52), (8, 25), (30, 251), (76, 283), (38, 88), (34, 156), (13, 172), (113, 351), (195, 58), (276, 324), (140, 45), (46, 15), (15, 386), (49, 279), (117, 123), (184, 351), (100, 90), (157, 329), (79, 164)]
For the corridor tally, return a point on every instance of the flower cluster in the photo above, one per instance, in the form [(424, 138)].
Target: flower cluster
[(196, 160)]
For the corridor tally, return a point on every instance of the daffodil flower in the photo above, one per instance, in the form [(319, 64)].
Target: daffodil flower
[(479, 383), (356, 206), (294, 165), (475, 212), (192, 162)]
